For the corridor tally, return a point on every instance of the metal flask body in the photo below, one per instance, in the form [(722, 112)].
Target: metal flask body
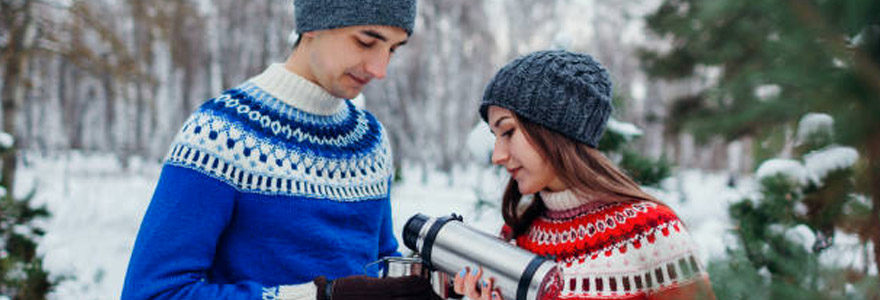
[(403, 266), (448, 245)]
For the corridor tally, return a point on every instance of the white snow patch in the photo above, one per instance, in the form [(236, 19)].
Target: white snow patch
[(791, 169), (802, 235), (776, 229), (848, 251), (628, 130), (765, 274), (638, 90), (821, 162), (23, 230), (6, 140), (813, 123), (800, 209), (767, 91)]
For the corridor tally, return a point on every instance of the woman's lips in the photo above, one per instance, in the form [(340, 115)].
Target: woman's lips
[(513, 172)]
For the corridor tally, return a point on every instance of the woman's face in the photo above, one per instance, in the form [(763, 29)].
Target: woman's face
[(514, 152)]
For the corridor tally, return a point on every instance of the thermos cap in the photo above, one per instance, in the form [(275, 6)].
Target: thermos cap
[(411, 230)]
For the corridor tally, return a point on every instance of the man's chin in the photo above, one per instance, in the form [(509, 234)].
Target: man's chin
[(347, 94), (351, 94)]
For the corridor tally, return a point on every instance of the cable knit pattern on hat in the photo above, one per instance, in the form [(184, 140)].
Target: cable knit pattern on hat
[(267, 186), (567, 92), (624, 250)]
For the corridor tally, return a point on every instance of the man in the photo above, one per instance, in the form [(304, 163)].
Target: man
[(279, 186)]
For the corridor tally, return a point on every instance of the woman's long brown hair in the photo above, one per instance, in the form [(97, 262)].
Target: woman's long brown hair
[(582, 168)]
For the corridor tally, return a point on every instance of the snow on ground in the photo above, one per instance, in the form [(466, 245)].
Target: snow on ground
[(97, 208), (701, 200)]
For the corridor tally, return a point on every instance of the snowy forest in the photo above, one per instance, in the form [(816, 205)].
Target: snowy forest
[(757, 122)]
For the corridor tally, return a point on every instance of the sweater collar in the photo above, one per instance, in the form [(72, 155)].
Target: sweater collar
[(562, 200), (296, 91)]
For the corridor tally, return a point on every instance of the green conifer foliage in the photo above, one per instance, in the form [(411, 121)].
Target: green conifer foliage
[(615, 144), (21, 269), (776, 61), (781, 234)]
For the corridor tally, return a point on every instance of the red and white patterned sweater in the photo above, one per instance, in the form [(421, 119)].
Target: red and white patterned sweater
[(625, 250)]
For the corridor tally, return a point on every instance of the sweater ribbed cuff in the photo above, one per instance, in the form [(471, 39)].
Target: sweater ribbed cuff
[(305, 291)]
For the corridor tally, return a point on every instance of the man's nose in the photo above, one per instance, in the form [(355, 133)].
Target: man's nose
[(377, 65)]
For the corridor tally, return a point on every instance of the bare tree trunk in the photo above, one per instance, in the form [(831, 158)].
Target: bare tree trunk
[(143, 38), (139, 112), (187, 92), (71, 107), (109, 109), (17, 20), (267, 37), (30, 104), (11, 81)]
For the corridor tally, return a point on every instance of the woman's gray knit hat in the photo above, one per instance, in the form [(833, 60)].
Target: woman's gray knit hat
[(569, 93), (314, 15)]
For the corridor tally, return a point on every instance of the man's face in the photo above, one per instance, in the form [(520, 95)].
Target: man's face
[(344, 60)]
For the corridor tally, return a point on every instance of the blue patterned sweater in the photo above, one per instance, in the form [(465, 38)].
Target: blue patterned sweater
[(267, 186)]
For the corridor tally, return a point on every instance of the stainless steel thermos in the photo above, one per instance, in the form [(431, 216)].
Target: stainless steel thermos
[(447, 244)]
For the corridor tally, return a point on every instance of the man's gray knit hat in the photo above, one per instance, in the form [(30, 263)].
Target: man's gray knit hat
[(314, 15), (569, 93)]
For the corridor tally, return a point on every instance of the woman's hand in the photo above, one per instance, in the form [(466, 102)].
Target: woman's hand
[(468, 283)]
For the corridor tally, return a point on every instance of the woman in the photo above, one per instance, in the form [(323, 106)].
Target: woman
[(610, 239)]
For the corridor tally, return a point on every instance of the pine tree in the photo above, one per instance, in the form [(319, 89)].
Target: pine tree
[(769, 62), (803, 203), (615, 144), (21, 270)]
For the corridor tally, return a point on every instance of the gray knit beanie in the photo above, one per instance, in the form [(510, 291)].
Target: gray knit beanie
[(314, 15), (569, 93)]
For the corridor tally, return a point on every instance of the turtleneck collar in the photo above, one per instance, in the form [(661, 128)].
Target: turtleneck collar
[(297, 91), (562, 200)]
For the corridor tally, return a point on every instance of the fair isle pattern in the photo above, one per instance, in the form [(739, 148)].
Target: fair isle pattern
[(270, 293), (259, 144), (615, 250)]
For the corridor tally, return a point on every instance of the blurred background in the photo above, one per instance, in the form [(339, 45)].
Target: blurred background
[(757, 121)]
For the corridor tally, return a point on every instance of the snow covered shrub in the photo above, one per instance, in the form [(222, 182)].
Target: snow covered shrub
[(21, 270), (784, 231)]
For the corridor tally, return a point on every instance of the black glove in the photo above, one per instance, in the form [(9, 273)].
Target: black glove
[(370, 288)]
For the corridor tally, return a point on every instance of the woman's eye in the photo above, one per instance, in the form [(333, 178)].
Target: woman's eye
[(364, 44), (507, 133)]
